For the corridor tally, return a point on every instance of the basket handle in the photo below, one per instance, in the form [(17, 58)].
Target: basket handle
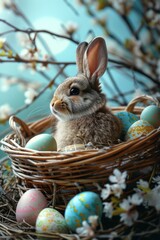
[(143, 99), (20, 128)]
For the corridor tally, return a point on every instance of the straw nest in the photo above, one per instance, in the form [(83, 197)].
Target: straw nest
[(61, 175)]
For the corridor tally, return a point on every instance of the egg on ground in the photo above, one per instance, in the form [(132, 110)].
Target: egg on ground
[(80, 207), (30, 205), (50, 220)]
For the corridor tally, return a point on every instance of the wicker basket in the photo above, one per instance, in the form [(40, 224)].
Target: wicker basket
[(60, 175)]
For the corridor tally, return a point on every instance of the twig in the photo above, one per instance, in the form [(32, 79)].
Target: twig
[(30, 31), (117, 88), (39, 94), (71, 7)]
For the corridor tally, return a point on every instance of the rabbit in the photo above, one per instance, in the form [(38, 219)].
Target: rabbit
[(79, 104)]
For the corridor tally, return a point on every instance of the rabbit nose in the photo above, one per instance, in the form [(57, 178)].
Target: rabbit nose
[(57, 104), (52, 103)]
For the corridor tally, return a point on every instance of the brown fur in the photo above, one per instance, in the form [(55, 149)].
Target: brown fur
[(101, 129), (84, 117)]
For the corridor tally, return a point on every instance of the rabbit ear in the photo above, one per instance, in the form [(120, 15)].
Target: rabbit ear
[(79, 55), (95, 58)]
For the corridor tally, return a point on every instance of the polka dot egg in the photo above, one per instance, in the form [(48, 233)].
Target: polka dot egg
[(42, 142), (50, 220), (151, 114), (82, 206), (139, 129), (127, 119)]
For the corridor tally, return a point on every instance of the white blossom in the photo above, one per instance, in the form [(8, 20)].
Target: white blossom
[(150, 14), (5, 111), (130, 214), (105, 193), (4, 4), (125, 204), (139, 62), (152, 198), (29, 54), (85, 230), (117, 190), (135, 199), (136, 47), (157, 180), (108, 209), (71, 27), (129, 217), (93, 220), (113, 235), (43, 67), (30, 94), (24, 39), (118, 178), (114, 48), (7, 82), (119, 5), (2, 42), (143, 184), (4, 84)]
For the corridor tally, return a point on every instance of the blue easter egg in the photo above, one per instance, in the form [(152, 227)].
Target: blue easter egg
[(80, 207), (127, 119), (151, 114), (42, 142)]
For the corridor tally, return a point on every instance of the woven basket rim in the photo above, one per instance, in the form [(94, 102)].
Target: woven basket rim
[(11, 146)]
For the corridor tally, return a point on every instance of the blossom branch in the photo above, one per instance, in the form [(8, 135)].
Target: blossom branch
[(50, 84), (29, 31)]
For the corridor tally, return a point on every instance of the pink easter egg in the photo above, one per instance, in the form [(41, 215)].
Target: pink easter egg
[(30, 205)]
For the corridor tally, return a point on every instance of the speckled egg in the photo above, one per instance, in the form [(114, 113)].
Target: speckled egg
[(127, 119), (50, 220), (139, 129), (29, 206), (151, 114), (80, 207), (42, 142)]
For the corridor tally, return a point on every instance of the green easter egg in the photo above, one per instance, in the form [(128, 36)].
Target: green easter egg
[(42, 142), (151, 114), (50, 220)]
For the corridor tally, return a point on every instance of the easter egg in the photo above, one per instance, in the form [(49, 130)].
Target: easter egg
[(80, 207), (29, 206), (127, 119), (151, 114), (42, 142), (50, 220), (138, 129)]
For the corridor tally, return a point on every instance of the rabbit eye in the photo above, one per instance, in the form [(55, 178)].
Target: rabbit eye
[(74, 91)]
